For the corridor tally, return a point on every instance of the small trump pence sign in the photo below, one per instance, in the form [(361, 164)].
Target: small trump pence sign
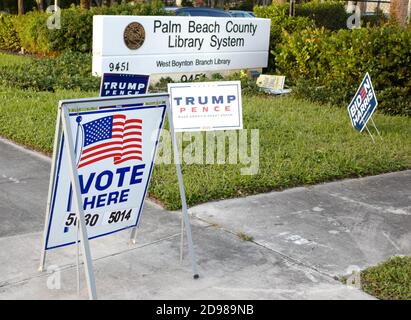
[(114, 84)]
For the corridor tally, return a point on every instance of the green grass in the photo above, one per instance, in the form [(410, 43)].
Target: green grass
[(11, 59), (390, 280), (300, 143), (244, 237)]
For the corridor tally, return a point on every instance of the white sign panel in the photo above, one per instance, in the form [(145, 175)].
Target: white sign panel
[(271, 82), (160, 45), (206, 106), (115, 151)]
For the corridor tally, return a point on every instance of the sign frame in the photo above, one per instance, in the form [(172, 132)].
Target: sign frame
[(63, 127)]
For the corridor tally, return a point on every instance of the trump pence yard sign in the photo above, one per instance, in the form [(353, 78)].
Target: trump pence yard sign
[(206, 106), (114, 84), (114, 151)]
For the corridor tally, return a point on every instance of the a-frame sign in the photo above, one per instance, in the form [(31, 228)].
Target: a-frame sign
[(103, 156)]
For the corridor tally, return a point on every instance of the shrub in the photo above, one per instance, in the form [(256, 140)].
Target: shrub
[(33, 33), (378, 18), (72, 70), (76, 27), (280, 21), (300, 54), (248, 85), (332, 64), (9, 39), (395, 101), (330, 15), (246, 5)]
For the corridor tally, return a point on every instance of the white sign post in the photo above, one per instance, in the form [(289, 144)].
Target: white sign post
[(102, 163), (167, 44)]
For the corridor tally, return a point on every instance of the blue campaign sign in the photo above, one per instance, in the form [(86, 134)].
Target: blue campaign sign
[(363, 104), (114, 84), (114, 151)]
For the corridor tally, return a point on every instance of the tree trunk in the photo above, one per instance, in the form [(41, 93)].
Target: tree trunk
[(398, 11), (20, 7), (40, 5), (85, 4)]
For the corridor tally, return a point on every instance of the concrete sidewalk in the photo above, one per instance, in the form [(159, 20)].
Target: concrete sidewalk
[(331, 228), (302, 238)]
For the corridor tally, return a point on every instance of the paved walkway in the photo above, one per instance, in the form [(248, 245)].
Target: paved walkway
[(301, 238), (329, 227)]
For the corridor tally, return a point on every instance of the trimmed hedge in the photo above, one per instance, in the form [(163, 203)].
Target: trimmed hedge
[(9, 39), (330, 15), (76, 27), (328, 66), (71, 70), (311, 14), (280, 21)]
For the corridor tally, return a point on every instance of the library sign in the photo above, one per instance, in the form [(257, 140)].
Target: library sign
[(160, 45)]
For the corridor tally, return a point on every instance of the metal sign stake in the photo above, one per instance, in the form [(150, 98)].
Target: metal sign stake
[(366, 127), (375, 127), (185, 219), (78, 260), (57, 141), (182, 240)]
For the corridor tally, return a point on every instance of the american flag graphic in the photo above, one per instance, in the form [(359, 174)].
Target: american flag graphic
[(111, 137)]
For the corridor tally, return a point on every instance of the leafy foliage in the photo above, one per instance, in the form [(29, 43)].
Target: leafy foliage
[(72, 70), (248, 85), (327, 66), (9, 39), (280, 22), (330, 15), (75, 33)]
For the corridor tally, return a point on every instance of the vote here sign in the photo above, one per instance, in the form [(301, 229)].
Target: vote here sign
[(114, 151), (363, 104)]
